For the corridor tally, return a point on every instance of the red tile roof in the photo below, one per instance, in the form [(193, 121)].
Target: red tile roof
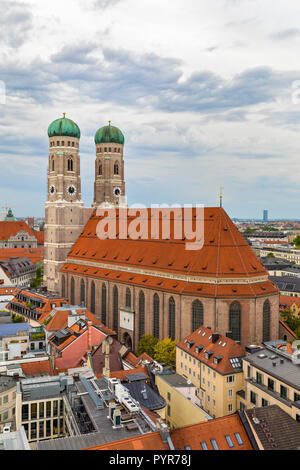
[(225, 254), (40, 236), (288, 328), (59, 319), (121, 374), (225, 347), (191, 436), (34, 254), (40, 367), (288, 300), (10, 228)]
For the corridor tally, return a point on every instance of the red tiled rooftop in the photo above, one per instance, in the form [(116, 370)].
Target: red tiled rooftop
[(225, 254), (11, 228), (40, 367), (33, 254), (230, 350)]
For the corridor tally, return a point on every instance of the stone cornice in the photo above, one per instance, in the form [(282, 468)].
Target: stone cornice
[(179, 277)]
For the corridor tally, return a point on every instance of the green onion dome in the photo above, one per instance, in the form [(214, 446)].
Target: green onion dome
[(64, 127), (108, 134)]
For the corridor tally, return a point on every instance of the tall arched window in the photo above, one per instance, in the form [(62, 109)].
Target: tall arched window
[(266, 320), (156, 316), (141, 314), (93, 297), (82, 292), (115, 309), (235, 320), (128, 298), (172, 324), (70, 164), (72, 291), (197, 315), (53, 164), (116, 169), (63, 287), (100, 170), (103, 304)]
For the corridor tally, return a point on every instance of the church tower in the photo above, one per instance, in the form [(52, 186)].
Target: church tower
[(109, 166), (64, 211)]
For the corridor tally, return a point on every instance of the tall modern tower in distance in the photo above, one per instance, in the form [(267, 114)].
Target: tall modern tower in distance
[(64, 212), (265, 216)]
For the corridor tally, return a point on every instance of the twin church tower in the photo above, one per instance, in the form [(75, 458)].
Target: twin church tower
[(65, 215)]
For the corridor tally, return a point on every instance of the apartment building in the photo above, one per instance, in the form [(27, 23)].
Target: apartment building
[(182, 403), (7, 403), (272, 377), (213, 363)]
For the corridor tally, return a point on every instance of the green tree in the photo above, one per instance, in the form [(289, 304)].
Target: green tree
[(165, 352), (18, 319), (147, 344), (37, 281), (296, 241)]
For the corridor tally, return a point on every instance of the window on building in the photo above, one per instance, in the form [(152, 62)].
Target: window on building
[(115, 308), (128, 298), (283, 392), (141, 314), (214, 444), (271, 384), (100, 170), (203, 445), (264, 402), (103, 304), (296, 396), (41, 410), (82, 292), (63, 287), (235, 320), (156, 316), (197, 314), (266, 320), (93, 299), (172, 318), (70, 164), (253, 398), (116, 169), (238, 438), (230, 407), (230, 379), (259, 378), (48, 428), (41, 429), (33, 410), (72, 291), (33, 434), (169, 410), (48, 409), (229, 441), (248, 371)]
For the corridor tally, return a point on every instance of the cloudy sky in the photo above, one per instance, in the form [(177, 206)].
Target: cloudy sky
[(207, 94)]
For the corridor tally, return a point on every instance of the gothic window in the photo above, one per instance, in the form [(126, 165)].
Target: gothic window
[(172, 318), (266, 321), (118, 150), (128, 298), (156, 316), (82, 292), (93, 297), (103, 304), (235, 320), (115, 309), (72, 291), (105, 149), (197, 314), (115, 150), (53, 164), (63, 287), (70, 164), (116, 169), (141, 314), (63, 143), (110, 149), (100, 170)]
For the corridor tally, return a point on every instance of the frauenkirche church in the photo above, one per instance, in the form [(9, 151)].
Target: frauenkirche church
[(154, 285)]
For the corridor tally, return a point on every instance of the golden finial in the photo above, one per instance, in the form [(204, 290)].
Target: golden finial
[(109, 123), (221, 195), (64, 115)]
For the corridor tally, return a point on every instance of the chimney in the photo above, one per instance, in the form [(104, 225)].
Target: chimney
[(214, 337), (89, 335)]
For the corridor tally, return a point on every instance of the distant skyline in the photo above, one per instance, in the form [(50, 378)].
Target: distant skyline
[(204, 93)]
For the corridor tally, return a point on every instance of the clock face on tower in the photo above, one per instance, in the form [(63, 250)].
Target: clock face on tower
[(52, 189), (71, 190), (117, 192)]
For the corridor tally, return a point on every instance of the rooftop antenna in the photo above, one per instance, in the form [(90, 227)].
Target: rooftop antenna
[(221, 196)]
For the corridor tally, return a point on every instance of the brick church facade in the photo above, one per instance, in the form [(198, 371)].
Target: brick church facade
[(147, 286)]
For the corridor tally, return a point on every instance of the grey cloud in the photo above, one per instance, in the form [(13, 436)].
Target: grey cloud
[(15, 22), (287, 34)]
